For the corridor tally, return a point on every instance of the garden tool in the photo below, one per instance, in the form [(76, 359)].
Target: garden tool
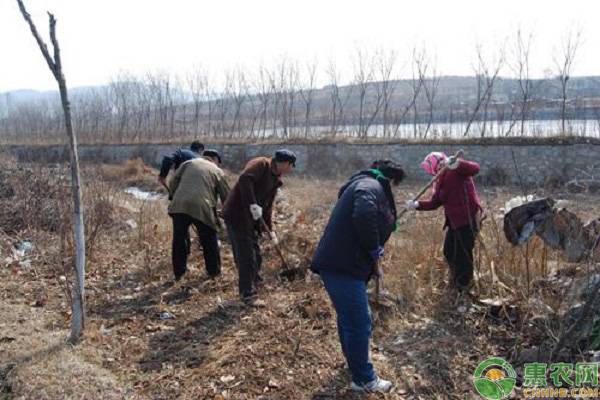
[(459, 154), (287, 271)]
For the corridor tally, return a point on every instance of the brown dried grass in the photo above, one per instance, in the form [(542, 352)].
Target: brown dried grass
[(216, 349)]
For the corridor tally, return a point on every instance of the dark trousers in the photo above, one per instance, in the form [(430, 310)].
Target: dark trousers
[(248, 260), (458, 250), (181, 245)]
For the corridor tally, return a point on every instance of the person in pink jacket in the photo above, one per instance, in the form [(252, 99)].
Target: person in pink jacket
[(455, 191)]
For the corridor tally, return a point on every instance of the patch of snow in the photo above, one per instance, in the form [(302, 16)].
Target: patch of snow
[(141, 194)]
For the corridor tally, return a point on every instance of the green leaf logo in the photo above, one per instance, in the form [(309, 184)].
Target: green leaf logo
[(494, 379)]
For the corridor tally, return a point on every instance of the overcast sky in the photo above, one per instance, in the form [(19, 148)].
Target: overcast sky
[(99, 38)]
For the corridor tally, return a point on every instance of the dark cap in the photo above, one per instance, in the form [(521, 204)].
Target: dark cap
[(389, 169), (285, 155), (212, 153)]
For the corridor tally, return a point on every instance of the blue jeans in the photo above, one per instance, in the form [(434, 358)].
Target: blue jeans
[(349, 298)]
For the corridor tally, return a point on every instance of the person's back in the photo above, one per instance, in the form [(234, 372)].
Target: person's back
[(361, 220), (196, 188), (348, 255), (456, 192), (256, 184)]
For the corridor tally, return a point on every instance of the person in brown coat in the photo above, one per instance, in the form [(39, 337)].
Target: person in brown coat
[(251, 200), (197, 186)]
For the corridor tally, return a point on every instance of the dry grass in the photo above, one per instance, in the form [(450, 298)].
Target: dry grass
[(216, 349)]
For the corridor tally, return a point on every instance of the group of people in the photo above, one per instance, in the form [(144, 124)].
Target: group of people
[(353, 243), (195, 190)]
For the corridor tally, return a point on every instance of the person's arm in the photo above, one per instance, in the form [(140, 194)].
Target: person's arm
[(249, 177), (467, 168), (268, 210), (166, 165), (364, 219), (431, 204), (222, 187)]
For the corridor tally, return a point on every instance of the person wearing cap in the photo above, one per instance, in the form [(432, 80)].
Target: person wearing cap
[(213, 155), (197, 186), (251, 200), (177, 158), (454, 190), (173, 162), (347, 257)]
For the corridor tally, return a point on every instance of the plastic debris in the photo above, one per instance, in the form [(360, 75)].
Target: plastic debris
[(166, 315)]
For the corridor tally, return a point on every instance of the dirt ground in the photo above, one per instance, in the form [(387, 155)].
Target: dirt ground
[(215, 348)]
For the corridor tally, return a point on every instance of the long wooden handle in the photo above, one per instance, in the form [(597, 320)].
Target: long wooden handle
[(277, 248), (378, 282), (458, 154)]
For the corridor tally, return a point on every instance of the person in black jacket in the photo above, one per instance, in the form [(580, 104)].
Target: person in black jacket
[(174, 161), (347, 256), (177, 158)]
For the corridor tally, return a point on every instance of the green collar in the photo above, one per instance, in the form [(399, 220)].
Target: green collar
[(377, 173)]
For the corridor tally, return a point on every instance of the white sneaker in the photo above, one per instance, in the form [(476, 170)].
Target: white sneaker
[(376, 385)]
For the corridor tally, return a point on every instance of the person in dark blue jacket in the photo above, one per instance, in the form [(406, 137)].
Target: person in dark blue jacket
[(347, 256), (177, 158)]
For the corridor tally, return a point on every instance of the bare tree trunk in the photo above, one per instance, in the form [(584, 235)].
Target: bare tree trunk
[(520, 66), (564, 66), (483, 73), (55, 65), (363, 71), (386, 65), (307, 94)]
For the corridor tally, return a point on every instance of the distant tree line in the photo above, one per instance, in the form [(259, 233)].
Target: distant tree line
[(385, 97)]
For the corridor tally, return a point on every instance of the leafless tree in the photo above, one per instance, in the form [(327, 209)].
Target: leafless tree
[(284, 83), (334, 88), (386, 65), (415, 87), (276, 83), (400, 116), (197, 81), (429, 80), (55, 65), (239, 93), (381, 91), (306, 91), (363, 76), (563, 66), (223, 103), (418, 65), (339, 97), (486, 75), (263, 92), (209, 97), (253, 107), (520, 66)]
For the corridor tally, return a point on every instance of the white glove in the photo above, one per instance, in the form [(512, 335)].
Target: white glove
[(412, 204), (274, 238), (453, 162), (450, 163), (256, 211)]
